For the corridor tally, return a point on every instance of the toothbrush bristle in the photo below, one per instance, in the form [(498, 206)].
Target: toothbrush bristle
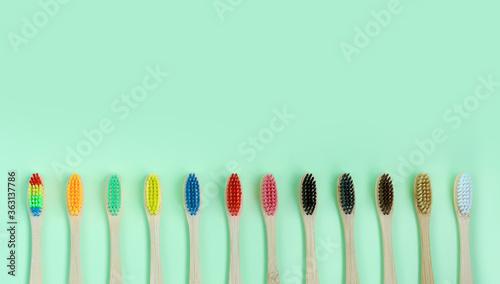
[(346, 193), (192, 193), (464, 194), (269, 195), (74, 194), (35, 191), (114, 195), (233, 195), (385, 194), (423, 193), (153, 194), (308, 194)]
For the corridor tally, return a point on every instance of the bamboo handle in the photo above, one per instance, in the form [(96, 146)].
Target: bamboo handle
[(75, 272), (273, 276), (427, 276), (312, 267), (115, 269), (36, 253), (389, 269), (234, 265), (465, 262), (351, 275), (156, 276), (194, 271)]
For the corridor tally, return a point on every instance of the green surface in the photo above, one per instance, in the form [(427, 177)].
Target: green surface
[(280, 87)]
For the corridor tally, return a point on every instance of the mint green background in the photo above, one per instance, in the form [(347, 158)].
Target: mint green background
[(226, 78)]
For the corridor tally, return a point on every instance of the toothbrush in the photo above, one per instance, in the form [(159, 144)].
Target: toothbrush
[(384, 196), (114, 201), (192, 201), (75, 199), (36, 198), (308, 200), (423, 204), (346, 199), (269, 204), (463, 203), (234, 203), (153, 202)]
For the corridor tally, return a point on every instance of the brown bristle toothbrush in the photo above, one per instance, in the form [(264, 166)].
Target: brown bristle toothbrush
[(384, 196)]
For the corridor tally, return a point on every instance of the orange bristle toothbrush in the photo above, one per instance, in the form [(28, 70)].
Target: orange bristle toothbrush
[(74, 198)]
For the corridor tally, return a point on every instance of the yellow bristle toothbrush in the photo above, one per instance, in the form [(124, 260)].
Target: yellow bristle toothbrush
[(114, 204), (153, 202), (463, 203), (36, 204), (74, 202), (423, 206)]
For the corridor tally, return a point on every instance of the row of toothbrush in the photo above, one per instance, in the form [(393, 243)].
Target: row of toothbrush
[(384, 193)]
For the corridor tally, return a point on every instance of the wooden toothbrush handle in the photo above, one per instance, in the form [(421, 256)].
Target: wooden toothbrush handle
[(36, 253), (351, 268), (311, 264), (389, 269), (273, 275), (426, 275), (115, 274), (465, 262), (234, 254), (75, 272), (156, 275), (194, 270)]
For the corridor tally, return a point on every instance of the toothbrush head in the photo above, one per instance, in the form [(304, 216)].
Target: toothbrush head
[(234, 195), (192, 195), (385, 194), (308, 194), (36, 195), (114, 194), (269, 195), (464, 190), (152, 194), (347, 197), (74, 195), (423, 193)]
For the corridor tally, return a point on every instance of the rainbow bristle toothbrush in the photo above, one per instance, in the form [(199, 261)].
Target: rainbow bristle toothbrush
[(308, 202), (346, 199), (36, 198), (153, 202), (269, 204), (74, 202), (234, 202), (463, 204), (192, 202), (114, 203), (423, 205)]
